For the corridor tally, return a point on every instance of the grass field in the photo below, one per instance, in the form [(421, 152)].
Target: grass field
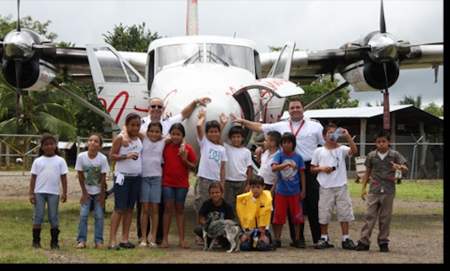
[(16, 236)]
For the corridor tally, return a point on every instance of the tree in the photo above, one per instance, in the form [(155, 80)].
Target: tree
[(321, 86), (40, 112), (6, 25), (130, 38), (434, 109), (410, 100)]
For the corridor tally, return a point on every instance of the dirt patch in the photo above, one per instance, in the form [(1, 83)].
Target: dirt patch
[(417, 235)]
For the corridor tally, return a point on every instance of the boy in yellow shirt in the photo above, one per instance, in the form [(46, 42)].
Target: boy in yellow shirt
[(254, 210)]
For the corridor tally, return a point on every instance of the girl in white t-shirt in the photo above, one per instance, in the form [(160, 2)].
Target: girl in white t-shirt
[(92, 167), (150, 195), (46, 173)]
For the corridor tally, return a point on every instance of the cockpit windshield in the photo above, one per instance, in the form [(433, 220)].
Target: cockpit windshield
[(184, 54)]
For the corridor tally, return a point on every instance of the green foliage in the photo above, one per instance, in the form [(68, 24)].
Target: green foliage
[(39, 112), (434, 109), (323, 85), (411, 100), (6, 25), (130, 38)]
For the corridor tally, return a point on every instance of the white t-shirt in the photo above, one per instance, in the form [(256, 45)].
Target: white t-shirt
[(333, 158), (166, 123), (308, 135), (239, 159), (130, 166), (211, 157), (48, 171), (265, 169), (92, 170), (152, 157)]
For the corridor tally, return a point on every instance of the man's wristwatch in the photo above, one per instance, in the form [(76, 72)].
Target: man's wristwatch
[(124, 156)]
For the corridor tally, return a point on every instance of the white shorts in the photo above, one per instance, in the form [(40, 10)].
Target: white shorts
[(336, 196)]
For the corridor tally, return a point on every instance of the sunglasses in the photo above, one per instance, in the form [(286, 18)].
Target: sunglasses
[(154, 106)]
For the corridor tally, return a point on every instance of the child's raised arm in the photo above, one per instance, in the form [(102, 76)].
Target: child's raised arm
[(224, 120), (201, 118)]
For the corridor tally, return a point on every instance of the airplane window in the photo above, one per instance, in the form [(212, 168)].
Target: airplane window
[(175, 55), (110, 65), (131, 75), (238, 56)]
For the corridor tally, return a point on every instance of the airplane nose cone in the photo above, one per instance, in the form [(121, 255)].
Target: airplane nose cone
[(384, 47), (18, 46)]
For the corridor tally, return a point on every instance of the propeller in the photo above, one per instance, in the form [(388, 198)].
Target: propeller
[(19, 46)]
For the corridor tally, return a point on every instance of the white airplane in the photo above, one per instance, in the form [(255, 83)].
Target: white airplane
[(229, 70)]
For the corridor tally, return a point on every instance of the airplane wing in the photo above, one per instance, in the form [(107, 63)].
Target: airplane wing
[(307, 65)]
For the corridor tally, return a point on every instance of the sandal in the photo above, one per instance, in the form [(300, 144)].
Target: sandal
[(152, 245), (81, 245), (184, 246), (199, 242), (100, 246), (142, 244)]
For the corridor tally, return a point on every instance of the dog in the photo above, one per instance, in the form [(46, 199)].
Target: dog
[(216, 226)]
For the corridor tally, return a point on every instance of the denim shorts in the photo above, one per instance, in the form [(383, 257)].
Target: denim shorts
[(125, 195), (151, 189), (177, 194), (52, 201)]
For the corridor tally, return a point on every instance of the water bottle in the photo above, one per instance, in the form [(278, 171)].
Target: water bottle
[(255, 238), (336, 135)]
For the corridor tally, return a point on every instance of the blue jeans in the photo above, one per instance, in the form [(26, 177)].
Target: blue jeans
[(98, 222), (125, 195), (52, 201), (248, 244)]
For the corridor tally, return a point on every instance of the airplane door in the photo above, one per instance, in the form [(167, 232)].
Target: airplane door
[(273, 105), (282, 67), (118, 85)]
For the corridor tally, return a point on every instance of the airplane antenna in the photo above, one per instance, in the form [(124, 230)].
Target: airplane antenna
[(192, 18)]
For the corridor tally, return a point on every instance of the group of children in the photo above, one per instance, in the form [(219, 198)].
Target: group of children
[(225, 184)]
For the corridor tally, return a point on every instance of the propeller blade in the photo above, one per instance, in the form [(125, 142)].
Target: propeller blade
[(386, 110), (18, 72), (43, 46), (18, 16), (382, 21), (362, 48), (420, 44)]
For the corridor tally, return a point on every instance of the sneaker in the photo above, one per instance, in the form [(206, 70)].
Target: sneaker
[(114, 247), (276, 242), (321, 244), (299, 243), (361, 247), (348, 244), (384, 247)]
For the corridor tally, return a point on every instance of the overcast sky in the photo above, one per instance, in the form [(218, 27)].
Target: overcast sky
[(313, 25)]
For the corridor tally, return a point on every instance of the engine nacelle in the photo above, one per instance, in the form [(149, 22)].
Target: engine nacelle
[(36, 73), (369, 75)]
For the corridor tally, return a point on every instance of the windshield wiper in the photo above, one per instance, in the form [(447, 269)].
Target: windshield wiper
[(216, 57), (194, 57)]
